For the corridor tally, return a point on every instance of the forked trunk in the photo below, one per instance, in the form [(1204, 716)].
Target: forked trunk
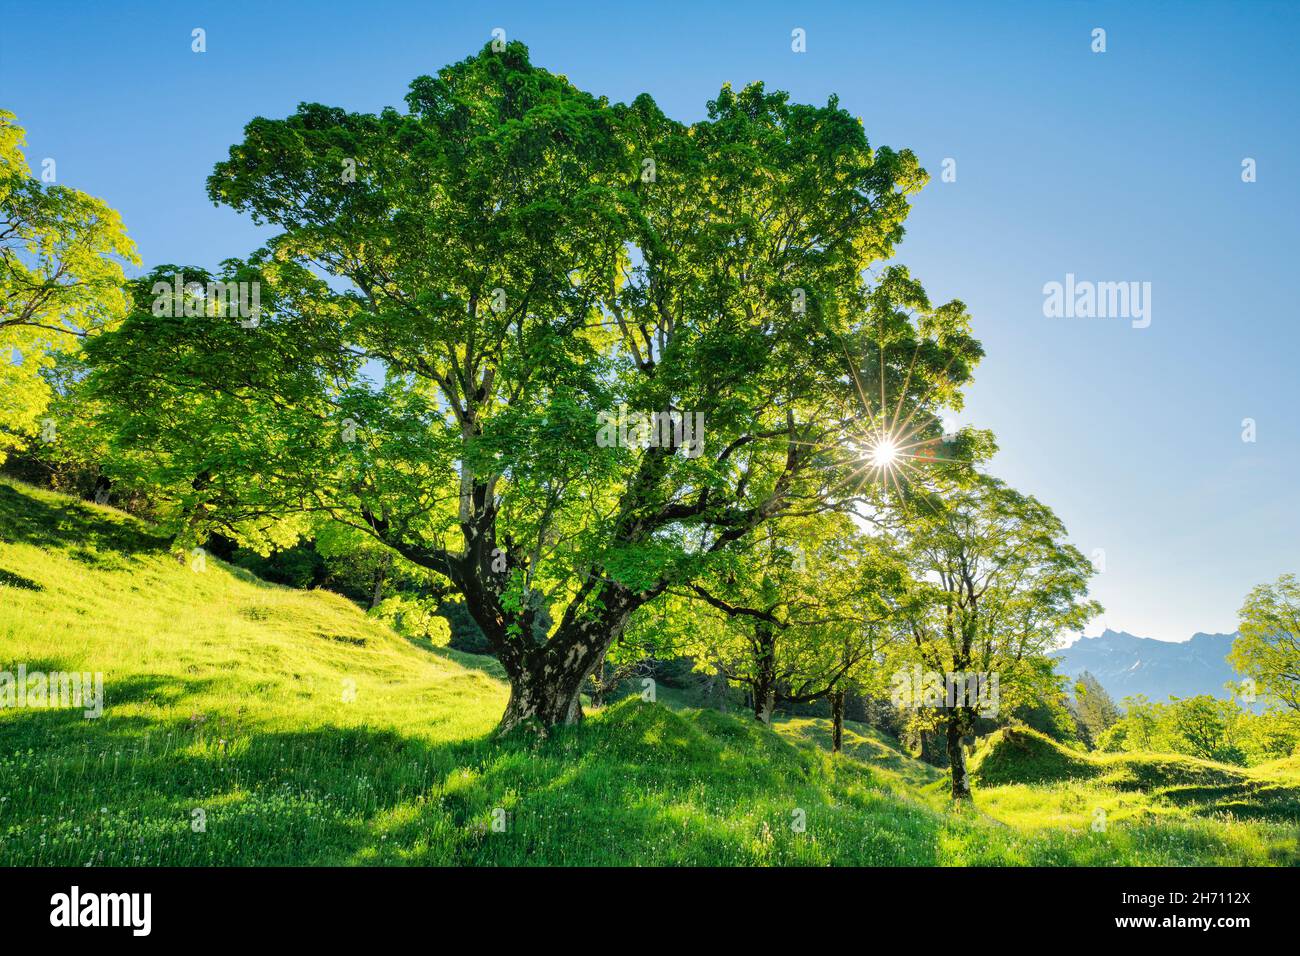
[(957, 760), (546, 680), (546, 699)]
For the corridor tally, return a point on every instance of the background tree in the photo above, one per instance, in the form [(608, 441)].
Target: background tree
[(796, 612), (1206, 727), (998, 587), (1049, 712), (1137, 729), (1093, 708), (61, 278), (865, 684), (360, 564), (514, 267), (1268, 647), (654, 633)]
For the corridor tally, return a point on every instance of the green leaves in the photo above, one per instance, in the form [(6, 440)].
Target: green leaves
[(1002, 584), (807, 605), (1268, 649), (61, 259)]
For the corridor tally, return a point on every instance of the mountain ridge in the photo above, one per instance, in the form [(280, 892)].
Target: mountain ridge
[(1126, 664)]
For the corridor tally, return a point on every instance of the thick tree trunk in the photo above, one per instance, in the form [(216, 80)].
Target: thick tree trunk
[(837, 720), (546, 673), (544, 697), (546, 679), (957, 760)]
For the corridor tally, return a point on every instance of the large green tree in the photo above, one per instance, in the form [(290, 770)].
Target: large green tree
[(506, 263)]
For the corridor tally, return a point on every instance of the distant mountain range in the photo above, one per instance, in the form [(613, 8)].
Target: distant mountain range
[(1126, 665)]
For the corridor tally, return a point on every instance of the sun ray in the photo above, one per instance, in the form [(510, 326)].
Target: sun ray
[(921, 402), (853, 372), (907, 380)]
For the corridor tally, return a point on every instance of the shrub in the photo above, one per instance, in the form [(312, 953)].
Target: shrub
[(414, 617)]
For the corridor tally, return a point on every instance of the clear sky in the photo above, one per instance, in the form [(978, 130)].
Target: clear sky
[(1117, 166)]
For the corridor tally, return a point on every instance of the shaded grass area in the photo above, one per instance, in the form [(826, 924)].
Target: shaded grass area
[(864, 743), (247, 723)]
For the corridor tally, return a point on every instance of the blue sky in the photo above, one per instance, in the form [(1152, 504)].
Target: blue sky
[(1115, 166)]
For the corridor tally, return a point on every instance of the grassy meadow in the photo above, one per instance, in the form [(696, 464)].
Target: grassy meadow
[(247, 723)]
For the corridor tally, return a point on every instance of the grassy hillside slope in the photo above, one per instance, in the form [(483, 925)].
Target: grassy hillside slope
[(299, 731)]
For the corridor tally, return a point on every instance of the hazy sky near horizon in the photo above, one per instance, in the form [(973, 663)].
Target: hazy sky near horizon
[(1122, 166)]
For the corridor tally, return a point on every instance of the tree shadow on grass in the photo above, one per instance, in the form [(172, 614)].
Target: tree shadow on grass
[(11, 580), (85, 533), (48, 726), (858, 744), (641, 785), (636, 784)]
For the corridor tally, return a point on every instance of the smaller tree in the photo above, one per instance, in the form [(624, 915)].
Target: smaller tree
[(1139, 729), (1094, 709), (1268, 648), (1048, 710), (1270, 735), (998, 585), (867, 681), (1206, 727), (653, 634), (798, 611), (360, 565)]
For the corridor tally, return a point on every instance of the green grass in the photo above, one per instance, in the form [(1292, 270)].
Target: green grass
[(235, 697), (865, 744), (1029, 781)]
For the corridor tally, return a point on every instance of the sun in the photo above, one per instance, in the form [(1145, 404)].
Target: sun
[(883, 453)]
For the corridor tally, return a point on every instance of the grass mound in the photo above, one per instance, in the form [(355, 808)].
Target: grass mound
[(1027, 780), (1144, 771), (1022, 755)]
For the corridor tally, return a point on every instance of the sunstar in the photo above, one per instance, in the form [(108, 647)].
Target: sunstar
[(103, 909), (884, 453)]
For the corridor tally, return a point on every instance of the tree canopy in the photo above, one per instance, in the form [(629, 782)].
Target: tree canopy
[(999, 585), (1268, 648), (461, 293)]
